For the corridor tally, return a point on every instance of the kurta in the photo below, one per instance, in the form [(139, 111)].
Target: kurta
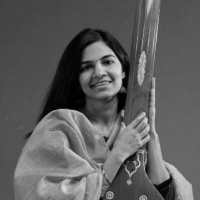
[(61, 160)]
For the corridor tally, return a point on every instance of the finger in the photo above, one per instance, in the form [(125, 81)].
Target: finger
[(152, 118), (145, 140), (122, 113), (142, 124), (153, 91), (153, 98), (152, 108), (123, 126), (153, 83), (136, 121), (145, 131)]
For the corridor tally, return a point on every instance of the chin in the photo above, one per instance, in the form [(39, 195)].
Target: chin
[(103, 95), (106, 97)]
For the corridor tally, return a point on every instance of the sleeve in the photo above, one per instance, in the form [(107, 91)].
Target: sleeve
[(182, 188), (53, 167), (167, 189)]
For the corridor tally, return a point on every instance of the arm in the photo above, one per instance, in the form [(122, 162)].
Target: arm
[(157, 171), (167, 179)]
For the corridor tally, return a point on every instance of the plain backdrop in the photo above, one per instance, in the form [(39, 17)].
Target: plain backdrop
[(33, 35)]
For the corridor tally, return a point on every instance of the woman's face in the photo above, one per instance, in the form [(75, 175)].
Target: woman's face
[(100, 72)]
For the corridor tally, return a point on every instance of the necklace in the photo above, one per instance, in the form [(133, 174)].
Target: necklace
[(106, 134)]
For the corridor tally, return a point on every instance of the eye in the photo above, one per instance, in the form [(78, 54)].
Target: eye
[(108, 62), (85, 68)]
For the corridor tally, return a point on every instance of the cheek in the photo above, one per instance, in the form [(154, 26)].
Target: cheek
[(118, 74), (119, 82), (84, 81), (117, 77)]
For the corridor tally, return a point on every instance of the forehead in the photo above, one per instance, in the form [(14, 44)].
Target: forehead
[(96, 51)]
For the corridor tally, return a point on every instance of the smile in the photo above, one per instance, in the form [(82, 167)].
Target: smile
[(101, 84)]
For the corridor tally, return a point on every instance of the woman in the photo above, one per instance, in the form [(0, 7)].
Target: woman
[(81, 141)]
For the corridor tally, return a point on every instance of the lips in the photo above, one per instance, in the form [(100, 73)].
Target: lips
[(102, 83)]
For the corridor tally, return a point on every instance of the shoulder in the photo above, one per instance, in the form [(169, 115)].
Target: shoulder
[(62, 116), (69, 122)]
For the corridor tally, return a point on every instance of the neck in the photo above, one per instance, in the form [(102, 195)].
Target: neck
[(101, 113)]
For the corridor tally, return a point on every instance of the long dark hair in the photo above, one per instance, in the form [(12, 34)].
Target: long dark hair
[(64, 91)]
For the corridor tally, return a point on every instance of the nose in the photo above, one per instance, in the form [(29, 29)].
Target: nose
[(99, 70)]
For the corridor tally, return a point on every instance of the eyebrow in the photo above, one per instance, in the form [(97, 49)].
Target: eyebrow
[(104, 57)]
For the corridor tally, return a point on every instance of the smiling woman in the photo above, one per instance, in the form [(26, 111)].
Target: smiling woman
[(65, 90), (81, 141)]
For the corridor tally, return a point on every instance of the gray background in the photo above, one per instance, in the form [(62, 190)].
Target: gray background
[(33, 36)]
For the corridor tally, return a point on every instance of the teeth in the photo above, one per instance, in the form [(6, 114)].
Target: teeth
[(102, 83)]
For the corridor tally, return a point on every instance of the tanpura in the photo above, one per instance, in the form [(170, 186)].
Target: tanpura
[(131, 181)]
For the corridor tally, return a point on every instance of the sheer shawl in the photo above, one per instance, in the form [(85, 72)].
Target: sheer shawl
[(62, 158)]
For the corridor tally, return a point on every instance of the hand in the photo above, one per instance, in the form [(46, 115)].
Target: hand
[(132, 137), (154, 140), (156, 169)]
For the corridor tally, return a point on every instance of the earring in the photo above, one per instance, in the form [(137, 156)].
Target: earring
[(122, 89)]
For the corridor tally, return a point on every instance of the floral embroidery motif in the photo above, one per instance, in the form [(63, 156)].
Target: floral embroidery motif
[(141, 68)]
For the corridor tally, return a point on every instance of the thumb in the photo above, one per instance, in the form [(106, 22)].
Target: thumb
[(122, 113), (122, 127), (113, 137)]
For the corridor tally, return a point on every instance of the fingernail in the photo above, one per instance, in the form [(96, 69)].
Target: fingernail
[(143, 114)]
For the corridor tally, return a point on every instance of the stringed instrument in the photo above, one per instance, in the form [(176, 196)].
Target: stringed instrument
[(131, 182)]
